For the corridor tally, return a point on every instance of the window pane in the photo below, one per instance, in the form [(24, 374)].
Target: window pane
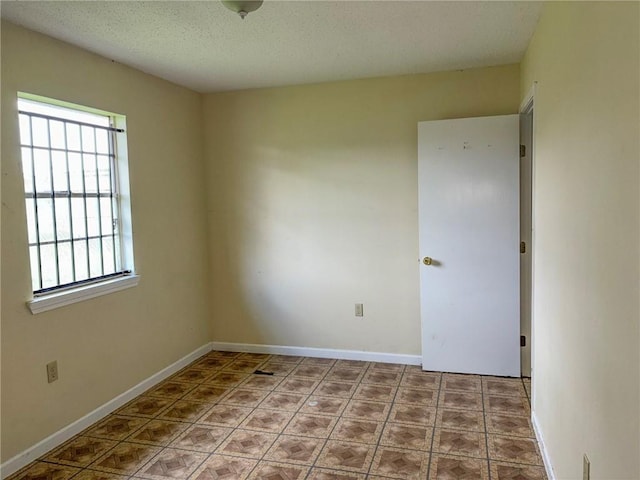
[(76, 176), (78, 217), (93, 217), (105, 216), (40, 132), (104, 177), (90, 174), (31, 220), (45, 220), (102, 141), (48, 263), (65, 263), (107, 255), (88, 141), (43, 170), (27, 171), (95, 257), (35, 273), (57, 134), (59, 163), (25, 130), (63, 225), (73, 137), (80, 255)]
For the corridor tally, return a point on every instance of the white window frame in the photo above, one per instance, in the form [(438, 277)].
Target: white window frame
[(66, 296)]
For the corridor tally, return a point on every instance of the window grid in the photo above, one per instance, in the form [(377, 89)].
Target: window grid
[(108, 265)]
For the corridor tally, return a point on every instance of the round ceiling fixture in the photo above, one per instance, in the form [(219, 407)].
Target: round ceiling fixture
[(242, 7)]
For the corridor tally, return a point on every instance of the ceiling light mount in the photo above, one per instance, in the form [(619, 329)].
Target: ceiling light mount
[(242, 7)]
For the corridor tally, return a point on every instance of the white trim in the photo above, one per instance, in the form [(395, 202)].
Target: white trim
[(27, 456), (543, 448), (67, 297), (527, 101), (320, 353)]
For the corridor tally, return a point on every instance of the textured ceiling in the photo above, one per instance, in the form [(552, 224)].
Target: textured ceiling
[(206, 47)]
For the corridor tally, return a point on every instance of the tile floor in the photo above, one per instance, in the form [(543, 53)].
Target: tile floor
[(314, 419)]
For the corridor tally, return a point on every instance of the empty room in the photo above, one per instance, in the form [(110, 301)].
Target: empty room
[(320, 240)]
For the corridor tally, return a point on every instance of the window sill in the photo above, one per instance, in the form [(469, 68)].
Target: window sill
[(60, 299)]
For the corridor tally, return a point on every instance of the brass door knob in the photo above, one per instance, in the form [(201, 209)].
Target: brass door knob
[(427, 260)]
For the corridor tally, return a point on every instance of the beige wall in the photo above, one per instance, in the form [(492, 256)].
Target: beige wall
[(312, 199), (586, 313), (106, 345)]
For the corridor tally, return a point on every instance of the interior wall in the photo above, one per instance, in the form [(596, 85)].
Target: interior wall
[(585, 58), (312, 204), (108, 344)]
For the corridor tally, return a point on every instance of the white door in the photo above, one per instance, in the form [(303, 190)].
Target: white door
[(468, 171)]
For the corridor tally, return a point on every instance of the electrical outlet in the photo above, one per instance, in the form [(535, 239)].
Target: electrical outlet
[(52, 371), (586, 468), (359, 310)]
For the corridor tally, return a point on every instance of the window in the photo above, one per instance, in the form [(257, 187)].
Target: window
[(70, 166)]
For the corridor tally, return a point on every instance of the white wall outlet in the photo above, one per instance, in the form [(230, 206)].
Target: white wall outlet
[(359, 310), (586, 468), (52, 371)]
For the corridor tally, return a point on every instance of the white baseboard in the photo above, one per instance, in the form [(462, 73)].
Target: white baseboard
[(543, 448), (320, 353), (29, 455)]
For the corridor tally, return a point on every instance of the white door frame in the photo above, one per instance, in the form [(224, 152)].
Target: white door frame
[(527, 108)]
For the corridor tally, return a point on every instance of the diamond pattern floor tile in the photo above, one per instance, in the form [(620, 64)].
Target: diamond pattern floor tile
[(307, 419)]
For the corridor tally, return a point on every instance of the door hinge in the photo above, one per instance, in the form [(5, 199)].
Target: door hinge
[(523, 341), (523, 247), (523, 150)]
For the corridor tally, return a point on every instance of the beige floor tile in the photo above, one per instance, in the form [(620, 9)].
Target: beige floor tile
[(158, 432), (503, 386), (412, 414), (97, 475), (512, 425), (207, 393), (244, 397), (212, 363), (354, 457), (125, 458), (414, 437), (367, 410), (512, 471), (450, 467), (171, 463), (357, 430), (457, 442), (278, 471), (454, 419), (278, 368), (254, 356), (310, 425), (80, 451), (226, 379), (225, 415), (116, 427), (333, 388), (326, 474), (171, 389), (375, 393), (222, 467), (324, 405), (400, 463), (243, 366), (297, 385), (247, 443), (293, 449), (417, 396), (283, 401), (418, 379), (382, 377), (324, 362), (201, 438), (460, 400), (265, 420), (514, 449), (510, 405), (261, 382), (463, 383), (145, 406), (42, 470), (191, 375), (359, 364), (185, 410), (345, 374), (310, 371)]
